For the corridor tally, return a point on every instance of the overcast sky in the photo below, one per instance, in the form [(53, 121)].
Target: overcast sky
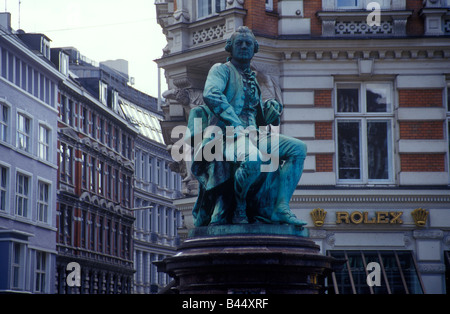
[(101, 30)]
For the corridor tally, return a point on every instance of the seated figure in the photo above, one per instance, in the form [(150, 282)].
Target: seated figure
[(259, 171)]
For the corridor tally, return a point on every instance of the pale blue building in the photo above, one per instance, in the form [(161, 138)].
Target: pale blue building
[(28, 163)]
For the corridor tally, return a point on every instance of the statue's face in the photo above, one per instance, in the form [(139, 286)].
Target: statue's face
[(243, 47)]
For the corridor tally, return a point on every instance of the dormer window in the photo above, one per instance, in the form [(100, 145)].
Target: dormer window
[(64, 63), (103, 93), (114, 100), (45, 47)]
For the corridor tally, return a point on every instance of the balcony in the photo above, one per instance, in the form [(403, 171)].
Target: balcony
[(184, 33), (354, 23)]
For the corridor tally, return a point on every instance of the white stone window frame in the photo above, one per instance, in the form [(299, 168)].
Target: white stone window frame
[(5, 126), (332, 5), (213, 9), (28, 148), (44, 203), (23, 212), (45, 145), (363, 117)]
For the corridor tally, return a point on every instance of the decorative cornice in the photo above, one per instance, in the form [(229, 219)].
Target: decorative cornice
[(371, 198)]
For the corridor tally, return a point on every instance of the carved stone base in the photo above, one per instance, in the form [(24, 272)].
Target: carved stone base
[(274, 259)]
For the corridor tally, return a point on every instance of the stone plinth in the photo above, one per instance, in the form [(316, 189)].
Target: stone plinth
[(274, 259)]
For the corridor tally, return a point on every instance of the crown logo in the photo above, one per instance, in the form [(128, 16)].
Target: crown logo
[(318, 216), (420, 216)]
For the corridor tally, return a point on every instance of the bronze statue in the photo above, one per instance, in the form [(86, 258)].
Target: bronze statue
[(254, 172)]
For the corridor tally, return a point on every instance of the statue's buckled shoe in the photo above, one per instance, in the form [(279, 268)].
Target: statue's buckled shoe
[(286, 217), (240, 217)]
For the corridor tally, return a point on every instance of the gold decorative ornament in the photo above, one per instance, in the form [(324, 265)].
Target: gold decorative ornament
[(318, 216), (420, 216)]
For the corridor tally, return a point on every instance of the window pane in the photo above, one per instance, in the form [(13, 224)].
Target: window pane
[(348, 100), (3, 123), (220, 5), (204, 7), (349, 150), (377, 150), (410, 272), (347, 3), (3, 182), (378, 98)]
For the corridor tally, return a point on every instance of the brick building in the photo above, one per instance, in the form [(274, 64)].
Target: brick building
[(370, 102), (95, 183)]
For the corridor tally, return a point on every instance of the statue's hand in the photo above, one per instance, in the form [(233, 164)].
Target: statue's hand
[(272, 110)]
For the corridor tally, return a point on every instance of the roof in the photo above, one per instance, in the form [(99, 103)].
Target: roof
[(145, 121)]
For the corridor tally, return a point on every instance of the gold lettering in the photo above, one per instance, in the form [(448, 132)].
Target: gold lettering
[(356, 220), (341, 216), (381, 217), (366, 219), (395, 217)]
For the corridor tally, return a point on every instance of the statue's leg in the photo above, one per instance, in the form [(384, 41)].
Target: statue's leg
[(293, 152), (219, 215), (244, 177)]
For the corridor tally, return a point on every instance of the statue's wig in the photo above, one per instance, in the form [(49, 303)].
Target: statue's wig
[(239, 31)]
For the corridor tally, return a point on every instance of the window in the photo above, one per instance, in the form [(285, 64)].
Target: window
[(208, 7), (3, 188), (64, 63), (84, 170), (44, 143), (126, 191), (116, 185), (269, 5), (66, 162), (364, 133), (101, 174), (398, 272), (94, 125), (102, 130), (143, 166), (18, 266), (92, 178), (109, 135), (43, 201), (158, 172), (166, 175), (22, 195), (23, 132), (341, 4), (4, 122), (103, 93), (150, 167), (40, 274), (83, 228), (109, 178), (4, 62), (84, 120)]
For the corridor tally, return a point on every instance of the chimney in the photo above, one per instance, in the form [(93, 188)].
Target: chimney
[(5, 21)]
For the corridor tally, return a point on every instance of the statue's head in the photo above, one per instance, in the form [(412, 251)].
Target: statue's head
[(242, 45)]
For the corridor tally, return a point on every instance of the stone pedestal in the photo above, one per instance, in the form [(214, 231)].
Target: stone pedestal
[(272, 259)]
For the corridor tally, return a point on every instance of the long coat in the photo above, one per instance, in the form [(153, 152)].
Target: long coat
[(224, 98)]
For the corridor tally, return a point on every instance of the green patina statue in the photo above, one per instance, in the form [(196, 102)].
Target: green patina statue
[(255, 171)]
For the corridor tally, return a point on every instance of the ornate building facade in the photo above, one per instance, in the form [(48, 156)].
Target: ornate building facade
[(95, 184), (370, 101)]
